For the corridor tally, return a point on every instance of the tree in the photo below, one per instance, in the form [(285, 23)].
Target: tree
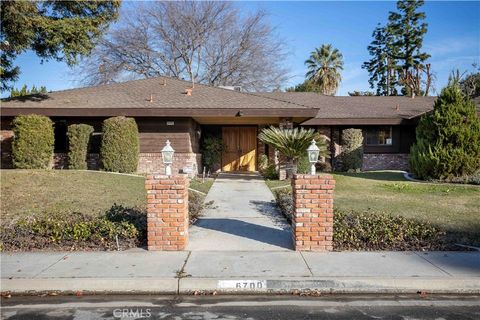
[(469, 82), (356, 93), (60, 30), (407, 29), (305, 86), (381, 67), (292, 143), (24, 91), (205, 42), (448, 138), (324, 66)]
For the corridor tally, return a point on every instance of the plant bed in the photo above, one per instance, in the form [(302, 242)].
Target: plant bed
[(368, 230)]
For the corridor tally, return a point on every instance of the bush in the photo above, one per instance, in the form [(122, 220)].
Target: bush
[(120, 145), (380, 231), (351, 157), (304, 165), (448, 139), (74, 231), (33, 142), (196, 205), (285, 202), (78, 143), (212, 148), (270, 172), (375, 231), (262, 163)]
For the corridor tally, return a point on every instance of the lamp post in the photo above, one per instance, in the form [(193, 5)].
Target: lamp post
[(167, 157), (313, 152)]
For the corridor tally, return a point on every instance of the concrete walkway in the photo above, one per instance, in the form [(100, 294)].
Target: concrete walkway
[(244, 217), (233, 271)]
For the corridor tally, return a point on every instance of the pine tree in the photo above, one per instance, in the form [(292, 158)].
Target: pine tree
[(24, 91), (408, 28), (448, 138), (382, 66)]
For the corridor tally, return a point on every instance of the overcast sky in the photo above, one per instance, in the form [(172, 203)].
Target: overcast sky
[(453, 39)]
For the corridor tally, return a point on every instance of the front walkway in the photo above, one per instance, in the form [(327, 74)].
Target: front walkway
[(244, 217)]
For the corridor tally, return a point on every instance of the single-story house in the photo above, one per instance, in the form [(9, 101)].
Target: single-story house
[(167, 108)]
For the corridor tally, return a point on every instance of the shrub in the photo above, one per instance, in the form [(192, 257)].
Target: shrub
[(120, 145), (196, 205), (285, 202), (380, 231), (351, 157), (78, 142), (375, 231), (270, 172), (212, 148), (448, 139), (73, 231), (304, 165), (33, 142), (324, 166), (262, 162)]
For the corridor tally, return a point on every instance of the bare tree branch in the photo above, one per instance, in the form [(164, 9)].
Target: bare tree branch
[(204, 42)]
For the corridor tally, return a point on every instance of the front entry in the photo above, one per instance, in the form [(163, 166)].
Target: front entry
[(240, 148)]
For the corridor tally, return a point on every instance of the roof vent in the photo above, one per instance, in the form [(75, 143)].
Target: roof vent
[(164, 82), (188, 91), (397, 108), (151, 98), (234, 88)]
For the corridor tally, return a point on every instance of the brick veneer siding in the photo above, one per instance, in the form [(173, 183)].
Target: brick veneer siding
[(312, 221), (147, 162), (167, 212), (386, 161), (152, 162)]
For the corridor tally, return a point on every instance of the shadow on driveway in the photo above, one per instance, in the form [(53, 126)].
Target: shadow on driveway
[(276, 237)]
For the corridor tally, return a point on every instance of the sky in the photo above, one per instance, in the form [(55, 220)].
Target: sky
[(452, 40)]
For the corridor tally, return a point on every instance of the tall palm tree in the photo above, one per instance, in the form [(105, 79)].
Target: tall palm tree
[(292, 143), (324, 66)]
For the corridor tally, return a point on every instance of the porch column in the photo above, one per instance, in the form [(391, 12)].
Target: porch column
[(312, 221), (167, 212)]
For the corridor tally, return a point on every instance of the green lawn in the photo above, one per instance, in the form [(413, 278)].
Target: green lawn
[(455, 208), (27, 192), (31, 192), (204, 187)]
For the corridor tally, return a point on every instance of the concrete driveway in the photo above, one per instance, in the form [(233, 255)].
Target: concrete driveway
[(243, 218)]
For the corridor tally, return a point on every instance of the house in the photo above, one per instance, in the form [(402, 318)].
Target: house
[(166, 108)]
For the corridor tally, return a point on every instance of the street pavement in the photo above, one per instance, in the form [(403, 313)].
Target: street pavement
[(286, 307)]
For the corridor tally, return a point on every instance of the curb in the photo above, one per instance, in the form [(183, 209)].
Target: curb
[(470, 285)]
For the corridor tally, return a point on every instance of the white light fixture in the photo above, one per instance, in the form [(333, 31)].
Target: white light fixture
[(313, 153), (167, 157)]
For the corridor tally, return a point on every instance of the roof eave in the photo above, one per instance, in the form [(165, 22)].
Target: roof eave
[(355, 121)]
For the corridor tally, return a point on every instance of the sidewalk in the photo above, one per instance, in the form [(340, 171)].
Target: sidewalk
[(139, 271)]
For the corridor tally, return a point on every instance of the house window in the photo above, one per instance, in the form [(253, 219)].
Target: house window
[(378, 136)]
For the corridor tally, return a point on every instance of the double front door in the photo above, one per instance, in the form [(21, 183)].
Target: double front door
[(240, 148)]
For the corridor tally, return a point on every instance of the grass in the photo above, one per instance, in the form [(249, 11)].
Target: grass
[(29, 192), (204, 187), (277, 184), (455, 208)]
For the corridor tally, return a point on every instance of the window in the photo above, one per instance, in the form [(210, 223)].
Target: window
[(378, 136)]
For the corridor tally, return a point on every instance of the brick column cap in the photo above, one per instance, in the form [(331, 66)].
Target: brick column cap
[(313, 176), (160, 176)]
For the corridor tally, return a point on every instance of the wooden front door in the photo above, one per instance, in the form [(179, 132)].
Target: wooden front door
[(240, 148)]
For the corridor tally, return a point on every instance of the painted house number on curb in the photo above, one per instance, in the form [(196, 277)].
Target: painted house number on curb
[(242, 284)]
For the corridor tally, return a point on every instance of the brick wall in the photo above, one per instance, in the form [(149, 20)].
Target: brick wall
[(312, 220), (189, 163), (167, 212), (386, 161)]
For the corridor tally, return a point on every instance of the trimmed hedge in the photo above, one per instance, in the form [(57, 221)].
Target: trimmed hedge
[(33, 142), (352, 149), (120, 145), (78, 142)]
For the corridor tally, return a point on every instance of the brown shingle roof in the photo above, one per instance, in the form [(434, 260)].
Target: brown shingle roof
[(133, 98), (358, 107), (136, 94)]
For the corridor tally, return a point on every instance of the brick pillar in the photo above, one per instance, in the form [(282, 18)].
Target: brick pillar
[(312, 221), (167, 212)]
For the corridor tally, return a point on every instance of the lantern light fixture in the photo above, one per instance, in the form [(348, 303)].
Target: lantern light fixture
[(313, 153), (167, 157)]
